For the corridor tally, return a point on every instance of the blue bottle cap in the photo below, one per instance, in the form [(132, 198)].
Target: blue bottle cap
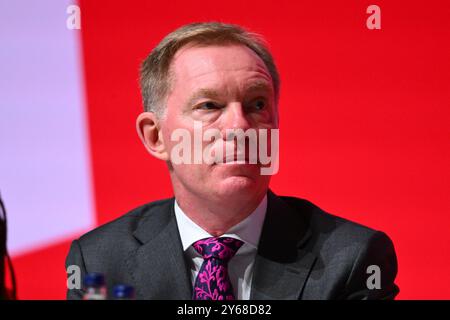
[(94, 280), (123, 291)]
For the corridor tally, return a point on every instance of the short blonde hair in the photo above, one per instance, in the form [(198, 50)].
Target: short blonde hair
[(155, 77)]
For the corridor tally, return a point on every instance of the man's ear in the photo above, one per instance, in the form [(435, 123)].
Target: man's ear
[(149, 131)]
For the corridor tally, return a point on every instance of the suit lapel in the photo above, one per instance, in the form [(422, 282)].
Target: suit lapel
[(282, 265), (158, 266)]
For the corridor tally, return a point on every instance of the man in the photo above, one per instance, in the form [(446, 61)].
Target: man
[(225, 234)]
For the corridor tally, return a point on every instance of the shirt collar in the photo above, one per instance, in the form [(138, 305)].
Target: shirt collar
[(248, 230)]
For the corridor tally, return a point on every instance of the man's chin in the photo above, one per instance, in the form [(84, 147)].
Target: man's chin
[(238, 186)]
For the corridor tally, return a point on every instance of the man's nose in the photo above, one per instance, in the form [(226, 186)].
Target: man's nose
[(235, 117)]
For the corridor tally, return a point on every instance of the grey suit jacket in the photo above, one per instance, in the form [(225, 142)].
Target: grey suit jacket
[(304, 253)]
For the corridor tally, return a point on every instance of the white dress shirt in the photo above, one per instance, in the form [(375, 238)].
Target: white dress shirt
[(240, 267)]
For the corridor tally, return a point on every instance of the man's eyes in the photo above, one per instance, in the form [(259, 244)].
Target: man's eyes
[(258, 104), (254, 105), (208, 105)]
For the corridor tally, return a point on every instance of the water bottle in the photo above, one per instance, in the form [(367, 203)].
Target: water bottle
[(94, 286), (123, 292)]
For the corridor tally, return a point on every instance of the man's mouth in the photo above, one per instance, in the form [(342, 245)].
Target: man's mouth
[(239, 159)]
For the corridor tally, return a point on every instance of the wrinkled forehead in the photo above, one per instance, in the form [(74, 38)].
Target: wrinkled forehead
[(195, 61)]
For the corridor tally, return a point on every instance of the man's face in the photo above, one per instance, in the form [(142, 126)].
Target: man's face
[(223, 87)]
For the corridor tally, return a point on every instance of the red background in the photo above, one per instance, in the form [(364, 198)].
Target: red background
[(364, 120)]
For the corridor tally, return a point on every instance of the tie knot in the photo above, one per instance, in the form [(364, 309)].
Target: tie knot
[(220, 248)]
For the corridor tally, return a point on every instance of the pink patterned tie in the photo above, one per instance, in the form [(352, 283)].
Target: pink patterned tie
[(213, 282)]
